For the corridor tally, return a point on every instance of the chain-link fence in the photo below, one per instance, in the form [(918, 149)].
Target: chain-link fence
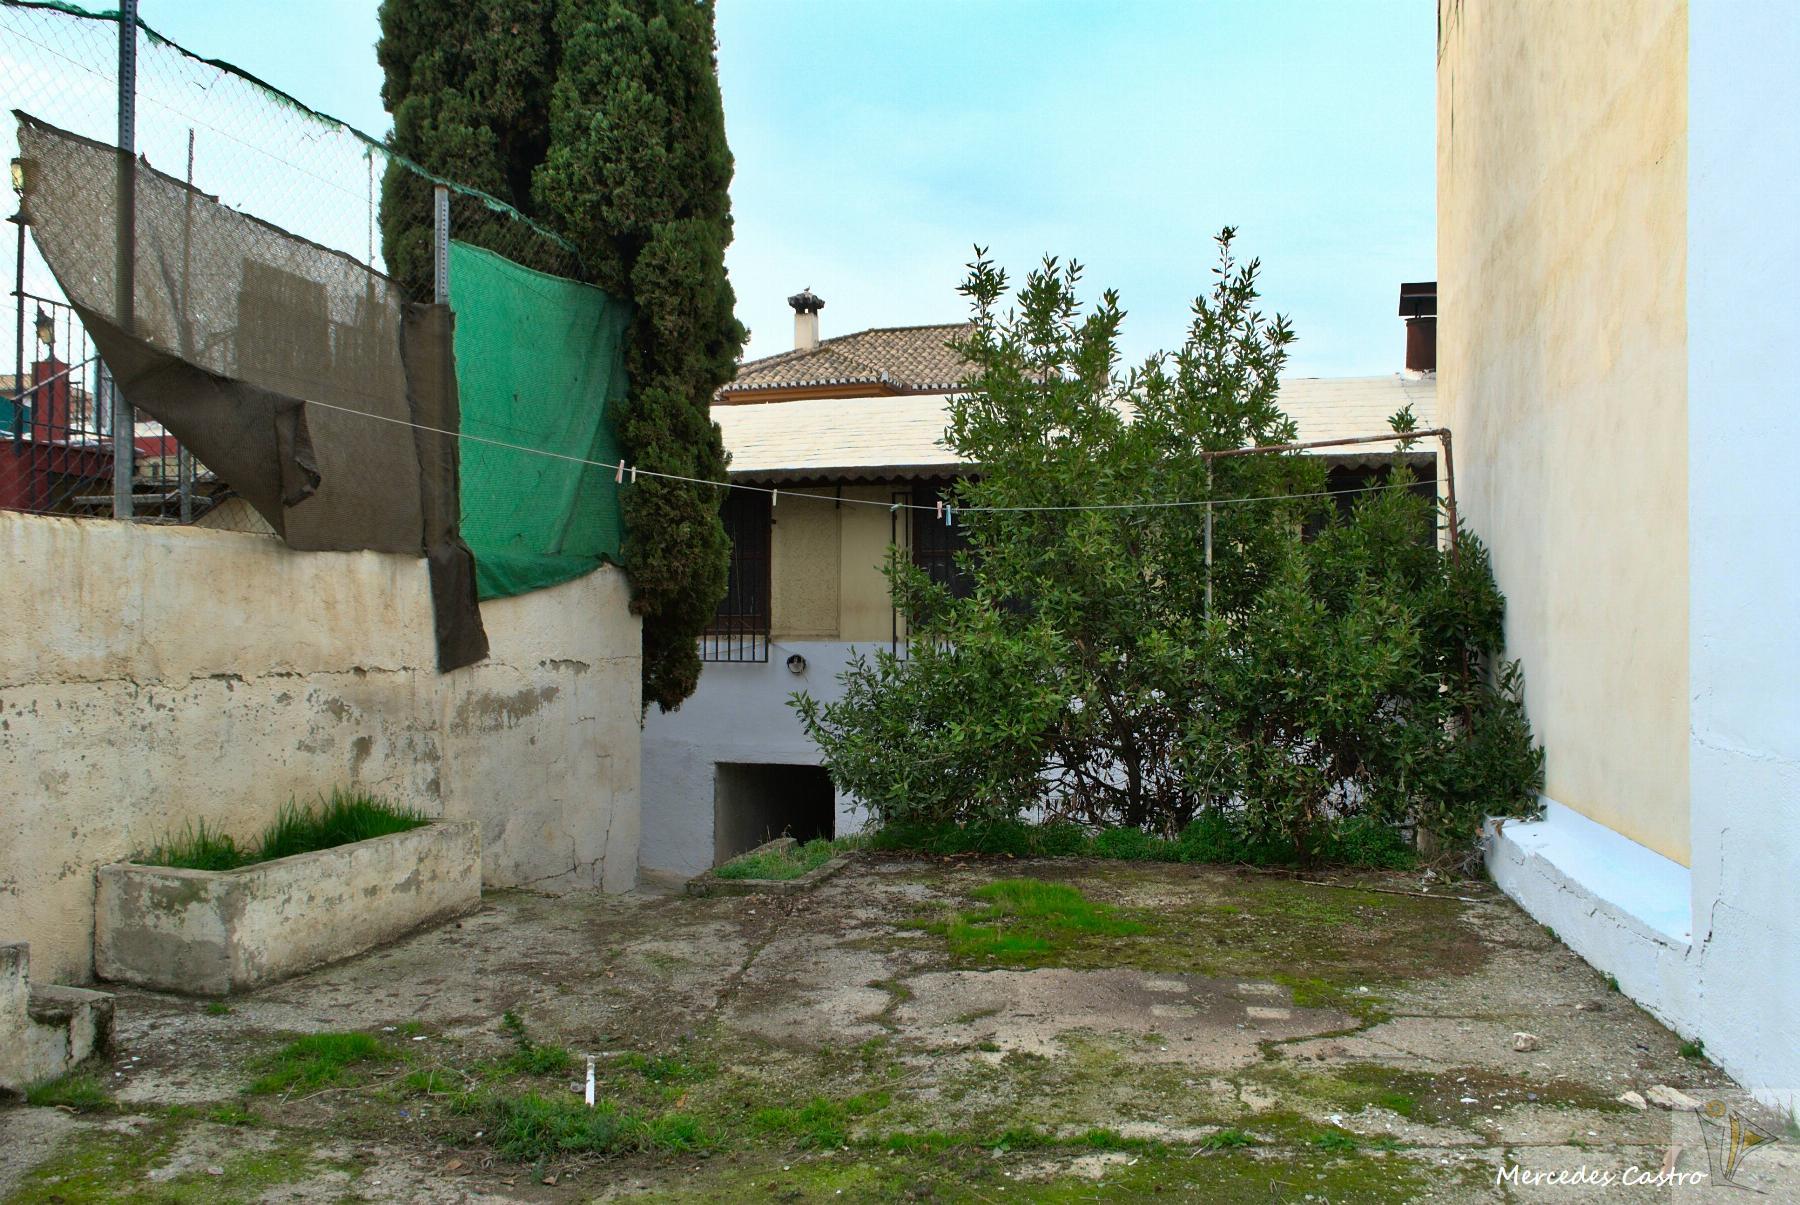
[(233, 139)]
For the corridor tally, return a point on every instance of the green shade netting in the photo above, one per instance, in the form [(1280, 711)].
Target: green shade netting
[(540, 362)]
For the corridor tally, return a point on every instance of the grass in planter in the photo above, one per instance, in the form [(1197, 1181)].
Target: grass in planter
[(787, 863), (346, 817)]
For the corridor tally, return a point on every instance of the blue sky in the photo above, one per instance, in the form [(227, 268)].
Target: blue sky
[(876, 142)]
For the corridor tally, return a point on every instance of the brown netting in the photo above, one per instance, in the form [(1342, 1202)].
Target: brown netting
[(274, 359)]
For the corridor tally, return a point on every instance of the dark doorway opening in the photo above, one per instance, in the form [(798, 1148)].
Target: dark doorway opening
[(754, 802)]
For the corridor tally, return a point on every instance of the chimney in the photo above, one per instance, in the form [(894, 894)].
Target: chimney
[(1418, 305), (806, 319)]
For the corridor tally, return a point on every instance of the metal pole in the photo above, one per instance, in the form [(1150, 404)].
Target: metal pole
[(18, 431), (125, 273), (1450, 491), (184, 462), (440, 244), (1209, 537)]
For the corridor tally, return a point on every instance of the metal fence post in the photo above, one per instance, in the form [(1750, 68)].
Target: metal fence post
[(18, 389), (440, 244), (125, 273)]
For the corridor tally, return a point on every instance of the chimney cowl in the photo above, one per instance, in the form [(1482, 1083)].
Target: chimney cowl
[(1418, 305), (806, 302)]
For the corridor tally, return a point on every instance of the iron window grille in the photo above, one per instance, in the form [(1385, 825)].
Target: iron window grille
[(740, 627)]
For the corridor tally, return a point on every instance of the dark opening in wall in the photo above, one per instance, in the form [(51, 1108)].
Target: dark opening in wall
[(757, 802)]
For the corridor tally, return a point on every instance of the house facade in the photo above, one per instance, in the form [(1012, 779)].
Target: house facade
[(842, 429), (1618, 208)]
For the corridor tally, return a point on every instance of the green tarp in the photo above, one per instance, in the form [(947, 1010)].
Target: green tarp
[(539, 364)]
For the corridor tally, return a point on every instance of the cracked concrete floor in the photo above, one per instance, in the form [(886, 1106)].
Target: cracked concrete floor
[(1236, 1036)]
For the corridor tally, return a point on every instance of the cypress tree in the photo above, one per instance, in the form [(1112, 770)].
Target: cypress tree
[(468, 85), (636, 176)]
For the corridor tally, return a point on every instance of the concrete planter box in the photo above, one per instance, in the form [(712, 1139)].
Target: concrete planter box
[(213, 932), (709, 883)]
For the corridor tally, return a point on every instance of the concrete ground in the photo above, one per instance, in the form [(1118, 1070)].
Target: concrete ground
[(1189, 1032)]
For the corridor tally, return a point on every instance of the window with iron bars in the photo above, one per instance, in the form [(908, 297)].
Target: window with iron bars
[(936, 545), (740, 627)]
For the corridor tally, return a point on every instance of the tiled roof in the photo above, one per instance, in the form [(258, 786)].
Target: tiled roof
[(906, 359), (872, 438)]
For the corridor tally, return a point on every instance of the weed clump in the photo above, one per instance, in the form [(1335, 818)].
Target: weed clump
[(78, 1091)]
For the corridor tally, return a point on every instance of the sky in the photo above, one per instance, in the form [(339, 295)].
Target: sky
[(878, 143)]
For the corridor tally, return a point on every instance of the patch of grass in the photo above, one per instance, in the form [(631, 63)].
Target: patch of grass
[(231, 1113), (789, 862), (218, 1008), (319, 1060), (1695, 1050), (80, 1091), (530, 1127), (1335, 1141), (662, 1068), (1230, 1138), (347, 816), (821, 1123), (1026, 920), (1612, 982), (106, 1166)]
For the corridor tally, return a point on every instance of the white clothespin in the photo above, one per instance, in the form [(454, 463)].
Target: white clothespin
[(774, 498), (634, 474), (940, 508), (620, 475)]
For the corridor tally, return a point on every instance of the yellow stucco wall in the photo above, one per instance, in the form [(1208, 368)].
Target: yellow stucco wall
[(1562, 364), (803, 570), (825, 567)]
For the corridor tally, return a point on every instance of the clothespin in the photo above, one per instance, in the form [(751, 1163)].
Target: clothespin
[(894, 509), (620, 475), (940, 508), (634, 474), (774, 498), (949, 516)]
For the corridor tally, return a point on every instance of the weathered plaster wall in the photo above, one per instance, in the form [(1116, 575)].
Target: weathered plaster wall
[(153, 676), (1562, 211)]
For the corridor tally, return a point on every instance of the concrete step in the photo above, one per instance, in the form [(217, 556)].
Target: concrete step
[(45, 1029)]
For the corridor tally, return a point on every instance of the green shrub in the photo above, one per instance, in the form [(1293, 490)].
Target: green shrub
[(1277, 664)]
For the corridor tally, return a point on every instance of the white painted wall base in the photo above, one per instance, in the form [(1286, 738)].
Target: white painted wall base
[(1621, 906)]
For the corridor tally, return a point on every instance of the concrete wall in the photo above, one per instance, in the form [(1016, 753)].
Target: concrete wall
[(152, 676), (1562, 227)]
